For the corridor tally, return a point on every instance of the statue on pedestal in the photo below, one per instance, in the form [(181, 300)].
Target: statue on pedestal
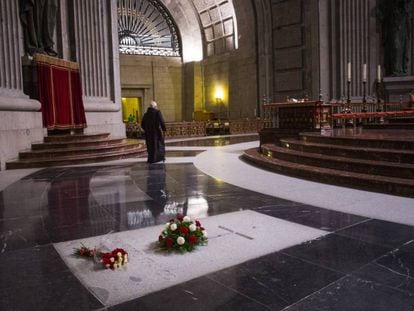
[(38, 19), (396, 16)]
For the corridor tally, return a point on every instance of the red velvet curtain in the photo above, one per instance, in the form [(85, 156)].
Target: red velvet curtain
[(60, 93)]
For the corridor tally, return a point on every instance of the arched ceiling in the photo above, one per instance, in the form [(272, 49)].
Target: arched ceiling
[(219, 25), (206, 27), (145, 27)]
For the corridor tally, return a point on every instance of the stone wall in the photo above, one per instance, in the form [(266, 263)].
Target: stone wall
[(193, 90), (235, 70), (295, 49), (155, 77)]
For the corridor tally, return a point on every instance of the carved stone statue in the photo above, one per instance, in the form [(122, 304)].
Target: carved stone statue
[(38, 19), (395, 16)]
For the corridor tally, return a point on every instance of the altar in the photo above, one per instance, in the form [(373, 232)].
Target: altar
[(60, 93), (308, 115)]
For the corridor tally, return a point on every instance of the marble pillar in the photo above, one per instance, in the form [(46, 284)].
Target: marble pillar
[(95, 45), (20, 117)]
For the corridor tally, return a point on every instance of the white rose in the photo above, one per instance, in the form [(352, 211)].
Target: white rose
[(173, 227), (167, 225), (187, 219), (205, 233), (180, 240), (192, 227)]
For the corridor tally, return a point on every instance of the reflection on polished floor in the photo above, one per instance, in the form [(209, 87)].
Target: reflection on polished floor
[(362, 263), (215, 141)]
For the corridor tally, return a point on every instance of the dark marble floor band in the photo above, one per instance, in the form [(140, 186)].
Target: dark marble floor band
[(215, 141), (363, 264)]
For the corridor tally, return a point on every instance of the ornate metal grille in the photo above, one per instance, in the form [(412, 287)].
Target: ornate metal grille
[(146, 28)]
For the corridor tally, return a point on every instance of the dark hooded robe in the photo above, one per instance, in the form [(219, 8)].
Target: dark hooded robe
[(154, 125)]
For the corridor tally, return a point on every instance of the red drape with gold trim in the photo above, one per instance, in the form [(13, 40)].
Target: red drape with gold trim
[(60, 93)]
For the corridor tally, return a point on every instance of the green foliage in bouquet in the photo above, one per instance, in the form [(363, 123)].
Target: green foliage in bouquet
[(182, 234)]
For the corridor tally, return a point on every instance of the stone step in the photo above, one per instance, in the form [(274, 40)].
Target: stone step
[(99, 156), (383, 184), (374, 142), (378, 154), (76, 137), (78, 144), (383, 168), (396, 125), (53, 153), (402, 120)]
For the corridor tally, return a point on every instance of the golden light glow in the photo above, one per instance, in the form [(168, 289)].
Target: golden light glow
[(219, 93), (131, 106)]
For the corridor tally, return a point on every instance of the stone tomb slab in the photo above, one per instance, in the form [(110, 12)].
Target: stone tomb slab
[(233, 238)]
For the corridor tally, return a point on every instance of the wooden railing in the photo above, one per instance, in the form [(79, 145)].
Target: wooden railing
[(339, 107), (202, 128), (186, 129), (316, 114), (365, 113)]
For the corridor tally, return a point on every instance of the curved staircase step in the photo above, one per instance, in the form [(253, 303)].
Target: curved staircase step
[(391, 169), (406, 143), (379, 154), (75, 137), (98, 156), (397, 125), (74, 144), (384, 184), (83, 150)]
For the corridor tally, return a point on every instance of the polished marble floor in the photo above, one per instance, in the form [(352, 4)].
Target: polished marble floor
[(364, 262)]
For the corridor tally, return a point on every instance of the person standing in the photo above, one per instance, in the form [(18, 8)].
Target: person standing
[(154, 127)]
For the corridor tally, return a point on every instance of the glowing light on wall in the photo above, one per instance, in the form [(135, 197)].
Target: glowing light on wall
[(219, 94)]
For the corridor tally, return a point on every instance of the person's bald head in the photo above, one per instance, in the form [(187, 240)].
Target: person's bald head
[(153, 104)]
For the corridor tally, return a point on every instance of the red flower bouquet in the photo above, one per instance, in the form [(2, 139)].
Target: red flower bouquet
[(110, 260), (182, 234)]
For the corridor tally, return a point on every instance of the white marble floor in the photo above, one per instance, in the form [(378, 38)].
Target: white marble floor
[(224, 163), (233, 238)]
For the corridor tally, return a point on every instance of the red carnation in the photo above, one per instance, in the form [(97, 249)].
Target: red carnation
[(198, 224), (169, 242), (180, 217), (192, 239), (119, 250), (160, 238), (202, 228), (184, 230)]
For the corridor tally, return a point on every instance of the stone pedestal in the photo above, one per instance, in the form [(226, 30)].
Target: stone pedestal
[(29, 73), (398, 88)]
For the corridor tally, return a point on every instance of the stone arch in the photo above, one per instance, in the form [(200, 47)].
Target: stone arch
[(187, 21)]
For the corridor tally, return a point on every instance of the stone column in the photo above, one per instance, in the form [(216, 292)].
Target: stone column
[(95, 45), (11, 86), (264, 54), (348, 33), (20, 117)]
